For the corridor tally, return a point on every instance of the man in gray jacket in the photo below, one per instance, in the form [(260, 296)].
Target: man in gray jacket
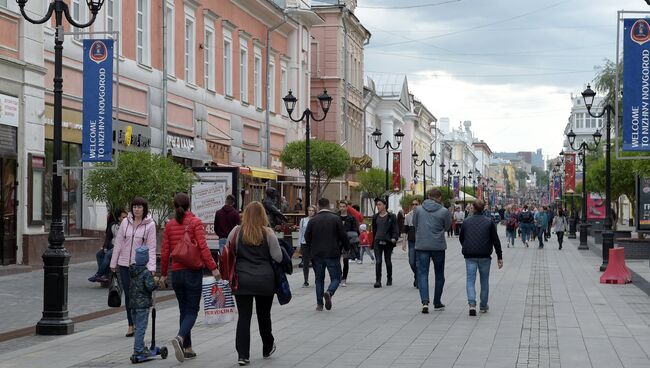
[(431, 221)]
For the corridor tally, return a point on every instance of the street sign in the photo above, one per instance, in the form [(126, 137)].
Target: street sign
[(97, 133)]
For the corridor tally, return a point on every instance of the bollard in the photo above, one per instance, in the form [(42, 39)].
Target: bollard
[(617, 272)]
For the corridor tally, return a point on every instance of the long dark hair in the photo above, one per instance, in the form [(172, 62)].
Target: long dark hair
[(181, 204), (139, 201)]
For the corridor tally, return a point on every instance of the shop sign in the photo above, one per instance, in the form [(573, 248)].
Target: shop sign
[(643, 203), (9, 110), (97, 101), (180, 142), (139, 137), (8, 142)]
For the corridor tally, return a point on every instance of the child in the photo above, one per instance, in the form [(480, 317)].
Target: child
[(142, 285), (365, 239)]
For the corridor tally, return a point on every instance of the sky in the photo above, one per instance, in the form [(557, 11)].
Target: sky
[(509, 66)]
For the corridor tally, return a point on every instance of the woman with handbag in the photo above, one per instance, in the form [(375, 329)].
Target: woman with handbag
[(255, 244), (184, 241), (137, 229)]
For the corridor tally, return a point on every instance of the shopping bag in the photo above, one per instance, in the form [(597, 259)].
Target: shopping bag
[(114, 292), (218, 301)]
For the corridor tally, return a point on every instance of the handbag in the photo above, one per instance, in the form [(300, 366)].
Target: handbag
[(227, 261), (282, 287), (114, 293), (187, 252), (218, 302)]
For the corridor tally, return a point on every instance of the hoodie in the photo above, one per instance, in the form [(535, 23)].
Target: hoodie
[(130, 237), (226, 218), (431, 220)]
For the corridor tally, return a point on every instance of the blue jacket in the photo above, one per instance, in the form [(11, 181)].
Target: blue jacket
[(431, 221)]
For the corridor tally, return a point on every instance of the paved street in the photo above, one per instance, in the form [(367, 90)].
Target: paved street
[(547, 309)]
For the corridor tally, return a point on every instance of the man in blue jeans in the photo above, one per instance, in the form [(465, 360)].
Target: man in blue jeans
[(431, 220), (477, 237)]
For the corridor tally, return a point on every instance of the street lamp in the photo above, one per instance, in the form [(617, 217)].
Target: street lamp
[(55, 320), (583, 148), (449, 183), (388, 145), (424, 165), (290, 103), (608, 235), (465, 185)]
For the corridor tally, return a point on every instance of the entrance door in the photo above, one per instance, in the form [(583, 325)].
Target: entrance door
[(8, 210)]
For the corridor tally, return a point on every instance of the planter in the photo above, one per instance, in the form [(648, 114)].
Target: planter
[(634, 248), (280, 235)]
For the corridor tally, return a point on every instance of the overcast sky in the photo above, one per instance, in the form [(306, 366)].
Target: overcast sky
[(509, 66)]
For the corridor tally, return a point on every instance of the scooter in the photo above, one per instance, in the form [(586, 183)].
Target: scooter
[(153, 349)]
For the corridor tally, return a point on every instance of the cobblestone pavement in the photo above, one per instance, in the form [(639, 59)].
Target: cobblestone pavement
[(547, 309)]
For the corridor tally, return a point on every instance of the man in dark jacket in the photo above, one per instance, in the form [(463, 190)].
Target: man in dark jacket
[(477, 237), (385, 233), (352, 230), (225, 219), (326, 237)]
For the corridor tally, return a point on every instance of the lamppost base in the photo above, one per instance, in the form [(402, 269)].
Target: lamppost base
[(55, 320), (55, 327), (583, 237), (608, 243)]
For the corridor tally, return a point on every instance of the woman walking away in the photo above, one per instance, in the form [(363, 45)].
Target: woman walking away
[(304, 249), (255, 245), (137, 229), (559, 226), (188, 278)]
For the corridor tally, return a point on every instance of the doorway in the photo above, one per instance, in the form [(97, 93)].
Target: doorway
[(8, 186)]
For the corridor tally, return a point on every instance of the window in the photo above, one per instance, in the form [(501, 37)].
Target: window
[(169, 54), (271, 87), (78, 14), (243, 70), (3, 3), (579, 120), (283, 82), (208, 58), (72, 199), (190, 51), (257, 78), (142, 31), (227, 62)]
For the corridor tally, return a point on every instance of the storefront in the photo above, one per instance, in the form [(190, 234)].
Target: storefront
[(184, 150), (254, 181), (9, 117)]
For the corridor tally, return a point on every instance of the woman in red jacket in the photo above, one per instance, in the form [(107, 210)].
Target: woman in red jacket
[(187, 281)]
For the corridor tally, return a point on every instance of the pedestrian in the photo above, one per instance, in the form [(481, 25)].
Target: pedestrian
[(452, 228), (459, 216), (365, 242), (541, 222), (105, 254), (326, 238), (255, 244), (559, 226), (142, 286), (385, 233), (351, 228), (225, 219), (431, 220), (477, 238), (284, 205), (298, 206), (550, 215), (525, 220), (410, 238), (304, 248), (136, 230), (511, 228), (188, 279)]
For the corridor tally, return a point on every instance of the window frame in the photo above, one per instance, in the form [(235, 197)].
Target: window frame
[(145, 58), (243, 69), (171, 63), (271, 86), (209, 57), (80, 14), (257, 78), (189, 49), (227, 63), (284, 83)]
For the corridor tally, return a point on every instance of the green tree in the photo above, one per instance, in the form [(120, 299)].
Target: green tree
[(154, 177), (407, 199), (541, 177), (521, 177), (328, 161)]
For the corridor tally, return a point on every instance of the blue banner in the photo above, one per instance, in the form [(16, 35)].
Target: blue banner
[(636, 85), (97, 101), (456, 187), (557, 191)]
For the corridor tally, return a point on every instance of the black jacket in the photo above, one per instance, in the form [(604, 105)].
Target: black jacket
[(477, 237), (326, 236), (392, 228)]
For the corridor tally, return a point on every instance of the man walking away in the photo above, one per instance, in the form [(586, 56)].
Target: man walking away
[(410, 237), (385, 234), (325, 238), (431, 221), (525, 224), (541, 221), (225, 219), (477, 237)]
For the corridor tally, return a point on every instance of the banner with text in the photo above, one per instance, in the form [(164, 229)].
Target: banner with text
[(396, 172), (643, 203), (636, 85), (569, 172), (97, 101)]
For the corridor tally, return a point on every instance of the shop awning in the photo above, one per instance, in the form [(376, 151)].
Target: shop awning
[(177, 152), (258, 172)]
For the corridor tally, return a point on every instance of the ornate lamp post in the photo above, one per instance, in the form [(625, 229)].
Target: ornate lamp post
[(442, 173), (449, 182), (465, 185), (55, 320), (290, 103), (608, 235), (583, 148), (388, 145), (424, 165)]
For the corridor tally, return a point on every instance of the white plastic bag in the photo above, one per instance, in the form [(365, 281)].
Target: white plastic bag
[(218, 301)]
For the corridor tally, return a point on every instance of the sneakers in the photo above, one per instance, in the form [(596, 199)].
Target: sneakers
[(268, 355), (103, 278), (328, 300), (189, 355), (177, 343), (389, 282), (438, 307), (244, 361), (343, 284), (319, 308), (94, 277), (359, 262), (484, 310), (305, 285), (472, 311), (377, 284), (425, 308)]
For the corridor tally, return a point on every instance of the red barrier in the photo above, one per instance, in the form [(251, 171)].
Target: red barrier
[(617, 272)]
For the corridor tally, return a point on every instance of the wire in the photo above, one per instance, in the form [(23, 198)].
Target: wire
[(435, 75), (409, 6)]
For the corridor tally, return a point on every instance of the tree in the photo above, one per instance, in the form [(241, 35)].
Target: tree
[(542, 177), (521, 177), (328, 161), (372, 182), (151, 176), (407, 199)]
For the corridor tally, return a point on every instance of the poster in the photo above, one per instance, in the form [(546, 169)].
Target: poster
[(636, 81), (97, 132), (209, 195), (595, 207), (456, 187), (643, 203), (397, 180), (569, 172), (557, 191)]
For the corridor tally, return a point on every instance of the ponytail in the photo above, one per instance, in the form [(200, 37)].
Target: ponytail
[(180, 214), (181, 204)]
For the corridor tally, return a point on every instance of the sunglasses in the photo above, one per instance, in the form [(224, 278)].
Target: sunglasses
[(414, 204)]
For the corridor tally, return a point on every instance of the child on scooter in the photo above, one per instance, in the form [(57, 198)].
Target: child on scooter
[(142, 286)]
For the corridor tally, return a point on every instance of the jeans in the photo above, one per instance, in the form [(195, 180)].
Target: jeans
[(560, 237), (125, 282), (457, 230), (333, 266), (510, 236), (263, 305), (141, 316), (364, 250), (540, 235), (387, 251), (483, 266), (304, 251), (187, 286), (103, 261), (423, 258), (222, 244), (525, 232), (346, 268), (412, 259)]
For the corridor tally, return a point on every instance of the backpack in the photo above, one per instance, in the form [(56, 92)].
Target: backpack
[(512, 223), (526, 217)]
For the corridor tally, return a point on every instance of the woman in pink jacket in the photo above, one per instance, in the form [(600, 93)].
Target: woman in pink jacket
[(137, 230)]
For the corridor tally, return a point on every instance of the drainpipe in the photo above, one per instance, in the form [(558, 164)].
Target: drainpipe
[(345, 73), (164, 78), (267, 118)]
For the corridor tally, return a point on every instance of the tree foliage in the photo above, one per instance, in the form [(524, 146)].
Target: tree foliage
[(541, 177), (328, 161), (151, 176), (372, 182)]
